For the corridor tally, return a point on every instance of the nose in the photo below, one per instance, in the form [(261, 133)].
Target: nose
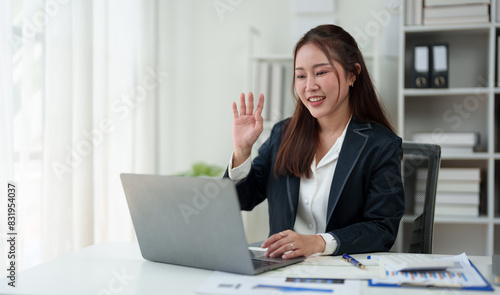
[(311, 84)]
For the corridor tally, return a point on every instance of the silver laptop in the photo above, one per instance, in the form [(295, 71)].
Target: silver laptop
[(192, 222)]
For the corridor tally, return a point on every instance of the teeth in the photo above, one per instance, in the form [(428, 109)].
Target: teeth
[(316, 98)]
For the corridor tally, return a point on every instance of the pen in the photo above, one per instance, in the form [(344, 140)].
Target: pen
[(352, 261), (432, 285)]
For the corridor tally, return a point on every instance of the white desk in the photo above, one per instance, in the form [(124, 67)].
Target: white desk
[(118, 268)]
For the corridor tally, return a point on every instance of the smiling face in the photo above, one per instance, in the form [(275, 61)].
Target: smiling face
[(322, 87)]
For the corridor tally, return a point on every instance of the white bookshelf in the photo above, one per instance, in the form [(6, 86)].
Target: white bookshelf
[(472, 74)]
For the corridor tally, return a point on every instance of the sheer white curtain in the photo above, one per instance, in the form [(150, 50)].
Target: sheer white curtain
[(78, 94), (6, 109)]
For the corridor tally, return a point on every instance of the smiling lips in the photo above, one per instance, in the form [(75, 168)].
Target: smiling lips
[(315, 100)]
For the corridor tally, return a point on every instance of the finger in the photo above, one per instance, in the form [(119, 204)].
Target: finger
[(288, 237), (274, 238), (259, 120), (293, 254), (278, 247), (242, 104), (271, 240), (286, 247), (260, 103), (235, 110), (249, 110)]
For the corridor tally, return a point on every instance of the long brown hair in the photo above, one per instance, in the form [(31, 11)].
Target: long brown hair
[(300, 134)]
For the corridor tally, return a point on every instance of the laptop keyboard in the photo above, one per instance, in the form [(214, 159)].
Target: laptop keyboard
[(258, 263)]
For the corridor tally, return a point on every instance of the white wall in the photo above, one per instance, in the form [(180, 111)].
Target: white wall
[(206, 56)]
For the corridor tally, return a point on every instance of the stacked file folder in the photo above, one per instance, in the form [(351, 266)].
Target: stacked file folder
[(452, 143), (458, 191), (446, 12), (443, 12)]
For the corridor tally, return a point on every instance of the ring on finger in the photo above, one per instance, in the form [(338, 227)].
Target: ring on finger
[(291, 247)]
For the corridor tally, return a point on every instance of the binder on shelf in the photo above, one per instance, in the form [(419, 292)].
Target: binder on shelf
[(439, 66), (421, 71)]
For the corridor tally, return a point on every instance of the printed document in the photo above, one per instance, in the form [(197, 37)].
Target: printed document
[(462, 275), (221, 283)]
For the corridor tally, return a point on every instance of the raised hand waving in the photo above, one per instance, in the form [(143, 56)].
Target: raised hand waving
[(247, 126)]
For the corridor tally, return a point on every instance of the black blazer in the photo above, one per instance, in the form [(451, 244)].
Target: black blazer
[(366, 199)]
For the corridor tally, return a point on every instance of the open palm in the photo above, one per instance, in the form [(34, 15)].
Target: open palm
[(247, 125)]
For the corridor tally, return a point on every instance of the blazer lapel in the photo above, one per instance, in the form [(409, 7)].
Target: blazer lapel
[(354, 143), (292, 190)]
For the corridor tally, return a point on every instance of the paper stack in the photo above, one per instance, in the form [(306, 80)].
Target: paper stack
[(444, 12), (463, 275), (450, 142), (457, 193), (220, 283)]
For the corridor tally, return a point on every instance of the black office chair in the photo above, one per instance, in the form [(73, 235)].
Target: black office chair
[(419, 168)]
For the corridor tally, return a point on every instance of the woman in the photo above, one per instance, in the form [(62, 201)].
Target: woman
[(332, 172)]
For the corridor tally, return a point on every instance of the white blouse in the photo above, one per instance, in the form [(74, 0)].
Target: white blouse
[(313, 193)]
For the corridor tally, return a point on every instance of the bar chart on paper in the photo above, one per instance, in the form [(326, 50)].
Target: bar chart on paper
[(437, 277), (462, 275)]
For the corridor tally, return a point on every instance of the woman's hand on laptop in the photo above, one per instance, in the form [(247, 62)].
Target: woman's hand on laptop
[(290, 244)]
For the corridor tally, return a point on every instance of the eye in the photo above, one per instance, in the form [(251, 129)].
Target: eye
[(300, 76), (321, 73)]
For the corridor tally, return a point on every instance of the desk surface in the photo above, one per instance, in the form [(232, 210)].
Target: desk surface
[(118, 268)]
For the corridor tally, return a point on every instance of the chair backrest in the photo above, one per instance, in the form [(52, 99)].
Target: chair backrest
[(419, 170)]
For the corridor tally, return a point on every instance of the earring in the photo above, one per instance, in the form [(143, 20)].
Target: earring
[(352, 84)]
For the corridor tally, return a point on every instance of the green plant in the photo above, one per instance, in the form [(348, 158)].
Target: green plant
[(203, 169)]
